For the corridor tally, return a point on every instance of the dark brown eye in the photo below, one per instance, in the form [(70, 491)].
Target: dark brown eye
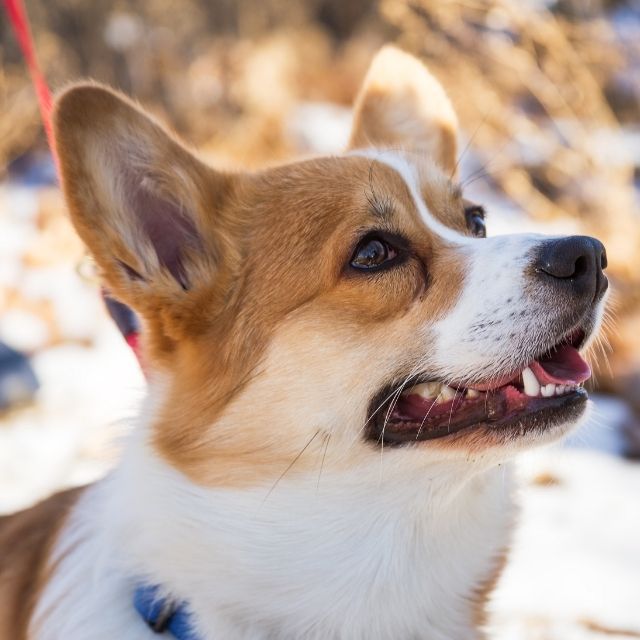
[(475, 221), (373, 253)]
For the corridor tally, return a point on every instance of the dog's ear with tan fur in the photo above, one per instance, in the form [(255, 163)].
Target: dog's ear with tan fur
[(147, 208), (401, 105)]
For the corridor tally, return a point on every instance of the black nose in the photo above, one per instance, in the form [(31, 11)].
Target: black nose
[(575, 261)]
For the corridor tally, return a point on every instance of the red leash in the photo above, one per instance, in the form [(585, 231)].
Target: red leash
[(122, 315), (20, 23)]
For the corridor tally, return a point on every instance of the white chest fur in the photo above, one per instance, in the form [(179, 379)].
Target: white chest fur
[(362, 555)]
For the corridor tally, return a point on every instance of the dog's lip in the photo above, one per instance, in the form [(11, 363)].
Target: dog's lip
[(561, 364), (498, 415)]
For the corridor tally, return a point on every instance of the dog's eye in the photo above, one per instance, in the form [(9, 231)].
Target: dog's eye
[(372, 253), (475, 221)]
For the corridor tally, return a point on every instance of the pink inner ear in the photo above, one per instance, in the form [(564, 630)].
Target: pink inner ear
[(167, 227)]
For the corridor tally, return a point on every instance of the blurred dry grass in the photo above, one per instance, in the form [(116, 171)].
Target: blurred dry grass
[(547, 93), (223, 73)]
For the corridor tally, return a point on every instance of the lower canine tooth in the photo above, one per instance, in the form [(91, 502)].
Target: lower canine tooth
[(447, 393), (424, 390), (531, 384), (472, 393), (433, 388), (548, 390)]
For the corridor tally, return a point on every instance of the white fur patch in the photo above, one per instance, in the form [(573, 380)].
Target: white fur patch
[(348, 559), (409, 175)]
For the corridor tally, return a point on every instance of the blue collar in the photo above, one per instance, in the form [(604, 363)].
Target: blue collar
[(164, 615)]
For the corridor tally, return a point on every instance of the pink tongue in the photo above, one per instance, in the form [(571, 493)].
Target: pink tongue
[(564, 366)]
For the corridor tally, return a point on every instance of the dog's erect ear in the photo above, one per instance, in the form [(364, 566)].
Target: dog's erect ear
[(144, 205), (401, 105)]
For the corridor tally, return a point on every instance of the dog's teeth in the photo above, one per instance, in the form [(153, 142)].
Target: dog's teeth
[(472, 393), (447, 393), (410, 391), (424, 390), (560, 389), (531, 384), (433, 389), (548, 390)]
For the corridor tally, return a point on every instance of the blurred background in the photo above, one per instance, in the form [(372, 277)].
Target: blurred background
[(548, 95)]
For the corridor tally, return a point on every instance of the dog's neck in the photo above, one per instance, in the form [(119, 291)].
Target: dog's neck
[(371, 553)]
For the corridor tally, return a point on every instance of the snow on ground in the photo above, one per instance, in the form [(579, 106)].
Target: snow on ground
[(89, 378), (68, 436), (575, 565)]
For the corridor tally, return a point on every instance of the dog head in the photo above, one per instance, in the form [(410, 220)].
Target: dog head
[(314, 312)]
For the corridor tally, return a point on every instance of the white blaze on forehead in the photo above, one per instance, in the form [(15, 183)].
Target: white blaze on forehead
[(409, 174)]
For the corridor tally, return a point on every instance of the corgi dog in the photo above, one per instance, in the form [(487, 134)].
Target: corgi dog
[(341, 366)]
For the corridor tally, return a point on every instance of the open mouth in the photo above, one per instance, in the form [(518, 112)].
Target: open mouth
[(545, 392)]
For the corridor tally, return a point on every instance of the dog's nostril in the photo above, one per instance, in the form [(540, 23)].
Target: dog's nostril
[(603, 259), (580, 268)]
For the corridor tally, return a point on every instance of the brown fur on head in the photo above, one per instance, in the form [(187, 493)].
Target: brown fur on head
[(161, 223), (215, 262)]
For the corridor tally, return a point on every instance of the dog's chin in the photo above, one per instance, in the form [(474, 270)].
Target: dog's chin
[(536, 404)]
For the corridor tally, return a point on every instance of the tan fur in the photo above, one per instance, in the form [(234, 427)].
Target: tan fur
[(26, 540), (314, 210), (95, 128), (486, 588), (319, 294)]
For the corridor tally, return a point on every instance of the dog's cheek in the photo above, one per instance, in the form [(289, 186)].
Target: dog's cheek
[(362, 299)]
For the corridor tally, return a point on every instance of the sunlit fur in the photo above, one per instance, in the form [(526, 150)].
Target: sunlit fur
[(247, 488)]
